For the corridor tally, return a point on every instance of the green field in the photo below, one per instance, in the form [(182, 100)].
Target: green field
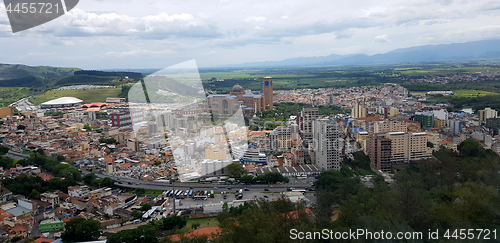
[(472, 93), (88, 95), (204, 223)]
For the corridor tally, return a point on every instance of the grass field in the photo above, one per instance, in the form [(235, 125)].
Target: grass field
[(469, 93), (204, 223), (87, 95)]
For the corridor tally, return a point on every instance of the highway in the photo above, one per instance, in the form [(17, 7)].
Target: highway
[(133, 183)]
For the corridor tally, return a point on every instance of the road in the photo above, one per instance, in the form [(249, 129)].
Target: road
[(132, 183)]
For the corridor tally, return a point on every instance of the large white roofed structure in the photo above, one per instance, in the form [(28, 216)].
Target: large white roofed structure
[(62, 102)]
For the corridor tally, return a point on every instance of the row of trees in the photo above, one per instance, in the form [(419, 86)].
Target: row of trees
[(91, 180), (151, 232), (269, 178), (32, 186)]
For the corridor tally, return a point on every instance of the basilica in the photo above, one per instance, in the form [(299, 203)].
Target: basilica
[(239, 97)]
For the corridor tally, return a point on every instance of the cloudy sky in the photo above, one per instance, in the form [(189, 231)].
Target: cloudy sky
[(103, 34)]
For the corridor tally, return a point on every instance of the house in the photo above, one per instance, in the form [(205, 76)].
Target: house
[(19, 231), (49, 225)]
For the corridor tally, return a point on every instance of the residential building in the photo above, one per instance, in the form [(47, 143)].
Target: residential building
[(326, 144), (305, 122), (380, 153), (426, 119), (216, 154), (405, 147), (214, 168), (487, 113), (390, 126), (50, 225), (455, 126), (438, 123), (393, 111), (80, 192), (280, 139), (358, 111)]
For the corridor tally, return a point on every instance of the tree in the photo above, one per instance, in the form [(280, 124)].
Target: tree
[(157, 163), (3, 150), (34, 194), (87, 127), (80, 229), (40, 151), (236, 170), (246, 179), (108, 182), (87, 179), (137, 214), (140, 191), (146, 207), (143, 233), (195, 226)]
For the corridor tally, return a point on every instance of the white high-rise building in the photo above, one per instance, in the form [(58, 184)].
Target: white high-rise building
[(326, 144), (487, 113)]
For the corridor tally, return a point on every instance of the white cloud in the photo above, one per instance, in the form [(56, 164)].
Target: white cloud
[(255, 19), (381, 38), (243, 31), (209, 53)]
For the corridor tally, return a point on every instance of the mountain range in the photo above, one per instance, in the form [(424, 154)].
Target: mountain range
[(455, 52)]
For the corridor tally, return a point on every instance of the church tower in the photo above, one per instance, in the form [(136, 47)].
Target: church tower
[(267, 85)]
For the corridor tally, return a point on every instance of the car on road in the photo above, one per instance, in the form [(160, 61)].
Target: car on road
[(130, 183), (266, 196), (190, 187), (266, 189), (229, 188), (246, 189)]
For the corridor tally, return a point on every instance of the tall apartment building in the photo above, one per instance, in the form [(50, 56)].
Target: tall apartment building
[(305, 120), (404, 147), (216, 154), (165, 121), (487, 113), (393, 111), (380, 153), (358, 111), (126, 117), (281, 139), (455, 126), (326, 144), (426, 119), (390, 126), (439, 123)]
